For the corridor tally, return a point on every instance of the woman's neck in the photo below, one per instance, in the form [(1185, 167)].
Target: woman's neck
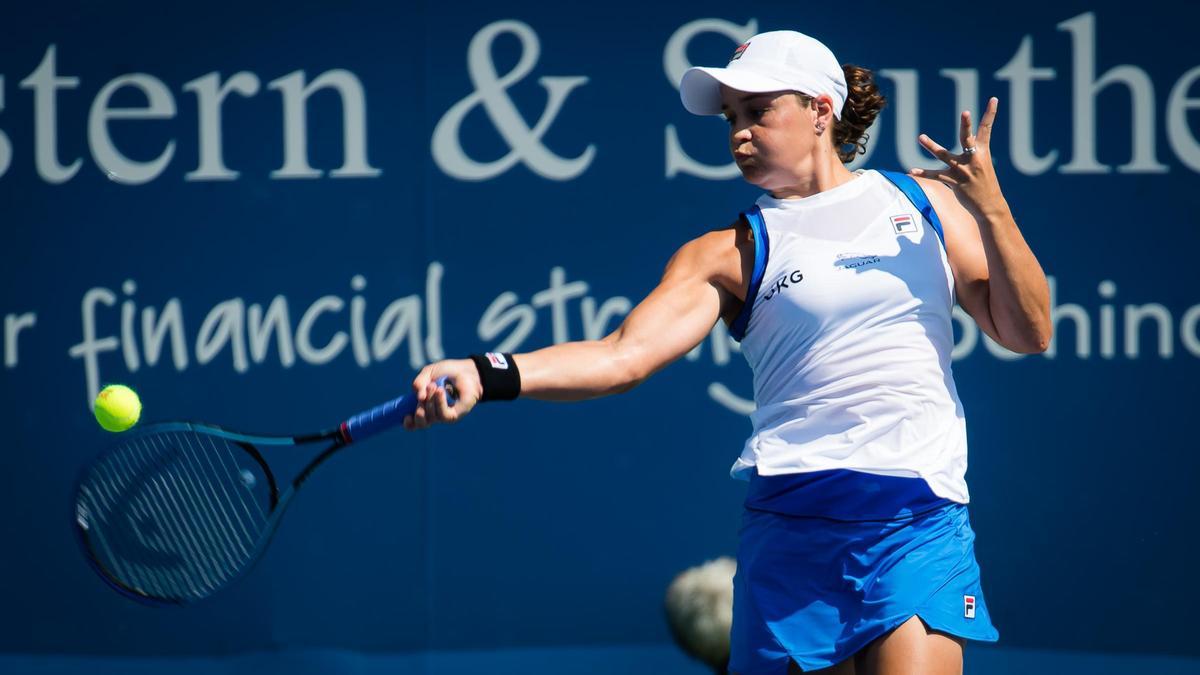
[(829, 173)]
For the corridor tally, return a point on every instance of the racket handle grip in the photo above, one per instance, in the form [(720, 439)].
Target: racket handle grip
[(386, 415)]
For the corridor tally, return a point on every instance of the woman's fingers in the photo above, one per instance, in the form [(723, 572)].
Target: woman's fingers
[(435, 409), (433, 401), (444, 411), (421, 381), (937, 150), (424, 414), (943, 175), (431, 408), (984, 136), (927, 173), (964, 130), (978, 141), (418, 418)]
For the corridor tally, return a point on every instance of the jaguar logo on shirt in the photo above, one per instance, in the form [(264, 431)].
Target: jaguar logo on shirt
[(853, 260), (783, 282)]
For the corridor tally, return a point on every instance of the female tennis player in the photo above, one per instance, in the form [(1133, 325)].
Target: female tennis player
[(855, 553)]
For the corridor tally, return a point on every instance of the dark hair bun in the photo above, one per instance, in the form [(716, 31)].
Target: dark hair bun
[(863, 103)]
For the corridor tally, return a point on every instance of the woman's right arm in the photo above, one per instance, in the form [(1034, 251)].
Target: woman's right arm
[(696, 290)]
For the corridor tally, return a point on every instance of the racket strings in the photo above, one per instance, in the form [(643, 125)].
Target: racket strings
[(174, 515)]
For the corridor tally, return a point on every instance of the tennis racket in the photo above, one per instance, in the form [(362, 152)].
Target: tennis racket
[(178, 511)]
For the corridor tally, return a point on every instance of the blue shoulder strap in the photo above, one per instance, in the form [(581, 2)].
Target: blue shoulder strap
[(911, 189), (762, 250)]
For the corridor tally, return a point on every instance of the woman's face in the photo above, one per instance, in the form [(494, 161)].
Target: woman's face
[(773, 139)]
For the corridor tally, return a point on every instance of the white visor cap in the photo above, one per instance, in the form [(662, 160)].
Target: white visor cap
[(781, 60)]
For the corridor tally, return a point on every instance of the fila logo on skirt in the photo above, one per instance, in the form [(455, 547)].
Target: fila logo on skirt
[(969, 606)]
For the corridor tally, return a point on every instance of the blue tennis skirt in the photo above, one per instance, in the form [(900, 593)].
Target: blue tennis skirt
[(816, 590)]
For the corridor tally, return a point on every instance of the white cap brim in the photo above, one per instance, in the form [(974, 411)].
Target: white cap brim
[(700, 88)]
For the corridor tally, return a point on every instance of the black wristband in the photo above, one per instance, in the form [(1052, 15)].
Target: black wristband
[(499, 376)]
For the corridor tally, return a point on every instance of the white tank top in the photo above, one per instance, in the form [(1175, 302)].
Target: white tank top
[(847, 329)]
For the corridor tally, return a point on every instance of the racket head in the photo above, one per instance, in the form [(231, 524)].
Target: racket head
[(175, 512)]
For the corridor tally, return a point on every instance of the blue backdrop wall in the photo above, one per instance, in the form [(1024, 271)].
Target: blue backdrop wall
[(272, 217)]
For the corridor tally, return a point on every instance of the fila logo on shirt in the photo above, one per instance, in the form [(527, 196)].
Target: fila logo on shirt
[(969, 606), (904, 223), (793, 277)]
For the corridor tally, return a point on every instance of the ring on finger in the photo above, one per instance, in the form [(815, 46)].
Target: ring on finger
[(970, 150)]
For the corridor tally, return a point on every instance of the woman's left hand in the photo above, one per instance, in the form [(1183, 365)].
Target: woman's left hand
[(970, 174)]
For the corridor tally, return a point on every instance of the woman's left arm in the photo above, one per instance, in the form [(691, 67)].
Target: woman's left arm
[(997, 279)]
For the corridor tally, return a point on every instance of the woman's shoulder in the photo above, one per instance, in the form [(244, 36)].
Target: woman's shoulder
[(722, 242), (940, 195), (724, 255)]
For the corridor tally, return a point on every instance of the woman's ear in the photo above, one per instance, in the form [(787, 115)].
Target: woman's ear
[(823, 113)]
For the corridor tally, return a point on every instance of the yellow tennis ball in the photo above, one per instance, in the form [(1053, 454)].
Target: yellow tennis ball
[(117, 407)]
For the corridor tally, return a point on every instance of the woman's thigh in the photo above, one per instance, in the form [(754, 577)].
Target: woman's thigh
[(911, 649)]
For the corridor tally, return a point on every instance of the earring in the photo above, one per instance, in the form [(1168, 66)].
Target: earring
[(820, 128)]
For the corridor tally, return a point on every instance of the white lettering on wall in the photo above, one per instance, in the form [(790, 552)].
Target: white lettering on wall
[(907, 113), (295, 124), (1084, 88), (225, 326), (13, 325), (1188, 330), (261, 326), (1081, 324), (45, 83), (506, 311), (156, 328), (434, 350), (5, 144), (1183, 141), (160, 105), (525, 143), (246, 332), (969, 334), (210, 94), (675, 63), (90, 348), (1021, 74)]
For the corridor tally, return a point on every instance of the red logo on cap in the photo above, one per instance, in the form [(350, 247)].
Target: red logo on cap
[(737, 53)]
